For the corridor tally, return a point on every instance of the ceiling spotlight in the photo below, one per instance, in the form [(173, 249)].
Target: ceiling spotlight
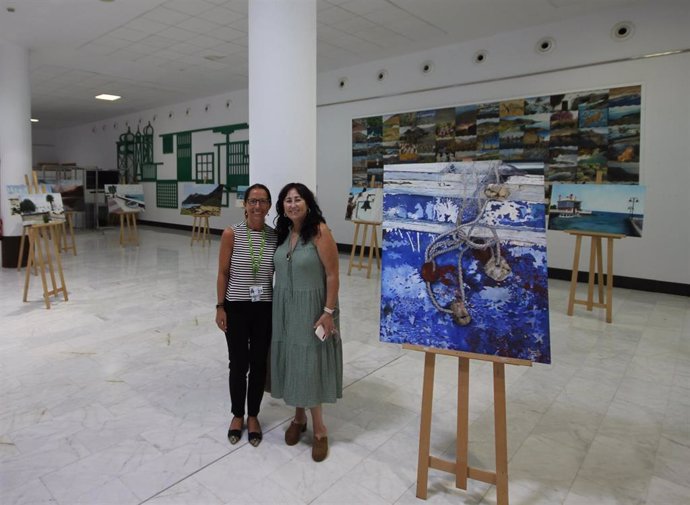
[(381, 75), (342, 82), (622, 30), (10, 9), (105, 96), (544, 45), (479, 56), (427, 67)]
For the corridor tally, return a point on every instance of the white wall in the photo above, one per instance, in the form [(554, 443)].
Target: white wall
[(662, 254), (585, 43), (93, 144)]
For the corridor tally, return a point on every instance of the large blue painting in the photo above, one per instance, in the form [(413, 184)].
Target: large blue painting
[(464, 258)]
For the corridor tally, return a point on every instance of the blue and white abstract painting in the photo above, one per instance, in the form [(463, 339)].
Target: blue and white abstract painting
[(464, 258)]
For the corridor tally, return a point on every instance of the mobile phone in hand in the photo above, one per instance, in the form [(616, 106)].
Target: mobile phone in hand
[(320, 332)]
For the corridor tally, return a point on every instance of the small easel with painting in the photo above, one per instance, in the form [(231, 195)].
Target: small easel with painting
[(373, 243)]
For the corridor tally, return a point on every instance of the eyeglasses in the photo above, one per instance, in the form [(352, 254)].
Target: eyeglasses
[(258, 201)]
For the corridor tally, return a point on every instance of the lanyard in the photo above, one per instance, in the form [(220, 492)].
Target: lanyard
[(256, 262)]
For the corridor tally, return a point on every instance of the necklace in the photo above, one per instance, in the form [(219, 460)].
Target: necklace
[(256, 262), (292, 247)]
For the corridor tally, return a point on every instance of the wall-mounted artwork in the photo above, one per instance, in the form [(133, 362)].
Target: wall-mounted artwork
[(72, 193), (575, 135), (125, 198), (600, 208), (464, 262), (241, 190), (365, 205), (37, 207), (201, 199)]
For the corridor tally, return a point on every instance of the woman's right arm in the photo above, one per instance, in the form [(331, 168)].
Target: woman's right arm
[(227, 242)]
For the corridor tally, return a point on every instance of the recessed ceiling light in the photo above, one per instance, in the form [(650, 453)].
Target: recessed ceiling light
[(105, 96), (34, 120)]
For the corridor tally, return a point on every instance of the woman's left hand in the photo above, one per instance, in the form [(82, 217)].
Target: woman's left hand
[(326, 320)]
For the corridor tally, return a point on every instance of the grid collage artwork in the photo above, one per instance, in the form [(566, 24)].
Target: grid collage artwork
[(574, 135)]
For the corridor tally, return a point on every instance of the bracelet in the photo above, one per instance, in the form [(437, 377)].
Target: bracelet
[(329, 311), (219, 305)]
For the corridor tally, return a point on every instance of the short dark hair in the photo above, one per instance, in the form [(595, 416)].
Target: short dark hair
[(310, 227)]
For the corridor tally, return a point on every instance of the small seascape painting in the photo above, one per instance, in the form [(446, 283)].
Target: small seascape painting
[(600, 208), (364, 205), (464, 258), (201, 199), (125, 198)]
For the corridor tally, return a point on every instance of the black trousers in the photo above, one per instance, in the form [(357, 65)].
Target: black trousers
[(248, 337)]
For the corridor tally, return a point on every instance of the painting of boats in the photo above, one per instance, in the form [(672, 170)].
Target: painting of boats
[(464, 258), (125, 198)]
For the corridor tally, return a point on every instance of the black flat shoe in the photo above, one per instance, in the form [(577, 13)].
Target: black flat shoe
[(255, 438), (234, 436)]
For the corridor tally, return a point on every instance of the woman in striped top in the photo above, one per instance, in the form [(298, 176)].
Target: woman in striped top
[(243, 312)]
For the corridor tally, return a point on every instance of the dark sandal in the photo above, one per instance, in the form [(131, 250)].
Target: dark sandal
[(255, 438), (234, 436)]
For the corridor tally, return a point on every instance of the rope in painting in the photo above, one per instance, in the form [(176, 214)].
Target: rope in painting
[(489, 187)]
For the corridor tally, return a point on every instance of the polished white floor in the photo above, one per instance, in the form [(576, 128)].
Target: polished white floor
[(119, 396)]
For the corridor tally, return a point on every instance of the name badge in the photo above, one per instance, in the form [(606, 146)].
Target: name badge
[(255, 293)]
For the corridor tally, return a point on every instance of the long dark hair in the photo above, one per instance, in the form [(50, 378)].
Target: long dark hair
[(314, 217)]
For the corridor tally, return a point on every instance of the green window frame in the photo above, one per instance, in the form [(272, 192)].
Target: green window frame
[(238, 164), (184, 156), (204, 164)]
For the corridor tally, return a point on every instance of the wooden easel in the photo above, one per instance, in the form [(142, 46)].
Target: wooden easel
[(373, 241), (460, 466), (32, 187), (67, 230), (595, 257), (373, 247), (128, 228), (200, 231), (40, 238)]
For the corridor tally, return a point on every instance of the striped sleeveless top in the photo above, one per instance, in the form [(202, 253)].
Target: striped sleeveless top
[(241, 275)]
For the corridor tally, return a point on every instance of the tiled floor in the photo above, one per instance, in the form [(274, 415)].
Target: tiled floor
[(119, 396)]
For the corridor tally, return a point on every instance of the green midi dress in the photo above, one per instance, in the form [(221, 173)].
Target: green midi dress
[(305, 372)]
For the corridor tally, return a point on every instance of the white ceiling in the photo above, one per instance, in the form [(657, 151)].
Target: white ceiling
[(158, 52)]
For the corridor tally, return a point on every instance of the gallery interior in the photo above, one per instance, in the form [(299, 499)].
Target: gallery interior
[(114, 389)]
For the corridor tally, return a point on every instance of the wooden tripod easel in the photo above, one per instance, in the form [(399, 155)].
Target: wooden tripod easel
[(128, 228), (200, 231), (373, 247), (460, 466), (40, 238), (595, 257)]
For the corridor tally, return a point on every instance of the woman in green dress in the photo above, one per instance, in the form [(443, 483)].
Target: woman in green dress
[(306, 350)]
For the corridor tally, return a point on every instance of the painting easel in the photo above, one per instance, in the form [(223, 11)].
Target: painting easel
[(128, 228), (460, 466), (32, 187), (595, 258), (373, 247), (41, 236), (200, 231), (373, 241), (67, 230)]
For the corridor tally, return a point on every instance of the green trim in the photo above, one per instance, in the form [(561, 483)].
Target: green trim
[(226, 129)]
